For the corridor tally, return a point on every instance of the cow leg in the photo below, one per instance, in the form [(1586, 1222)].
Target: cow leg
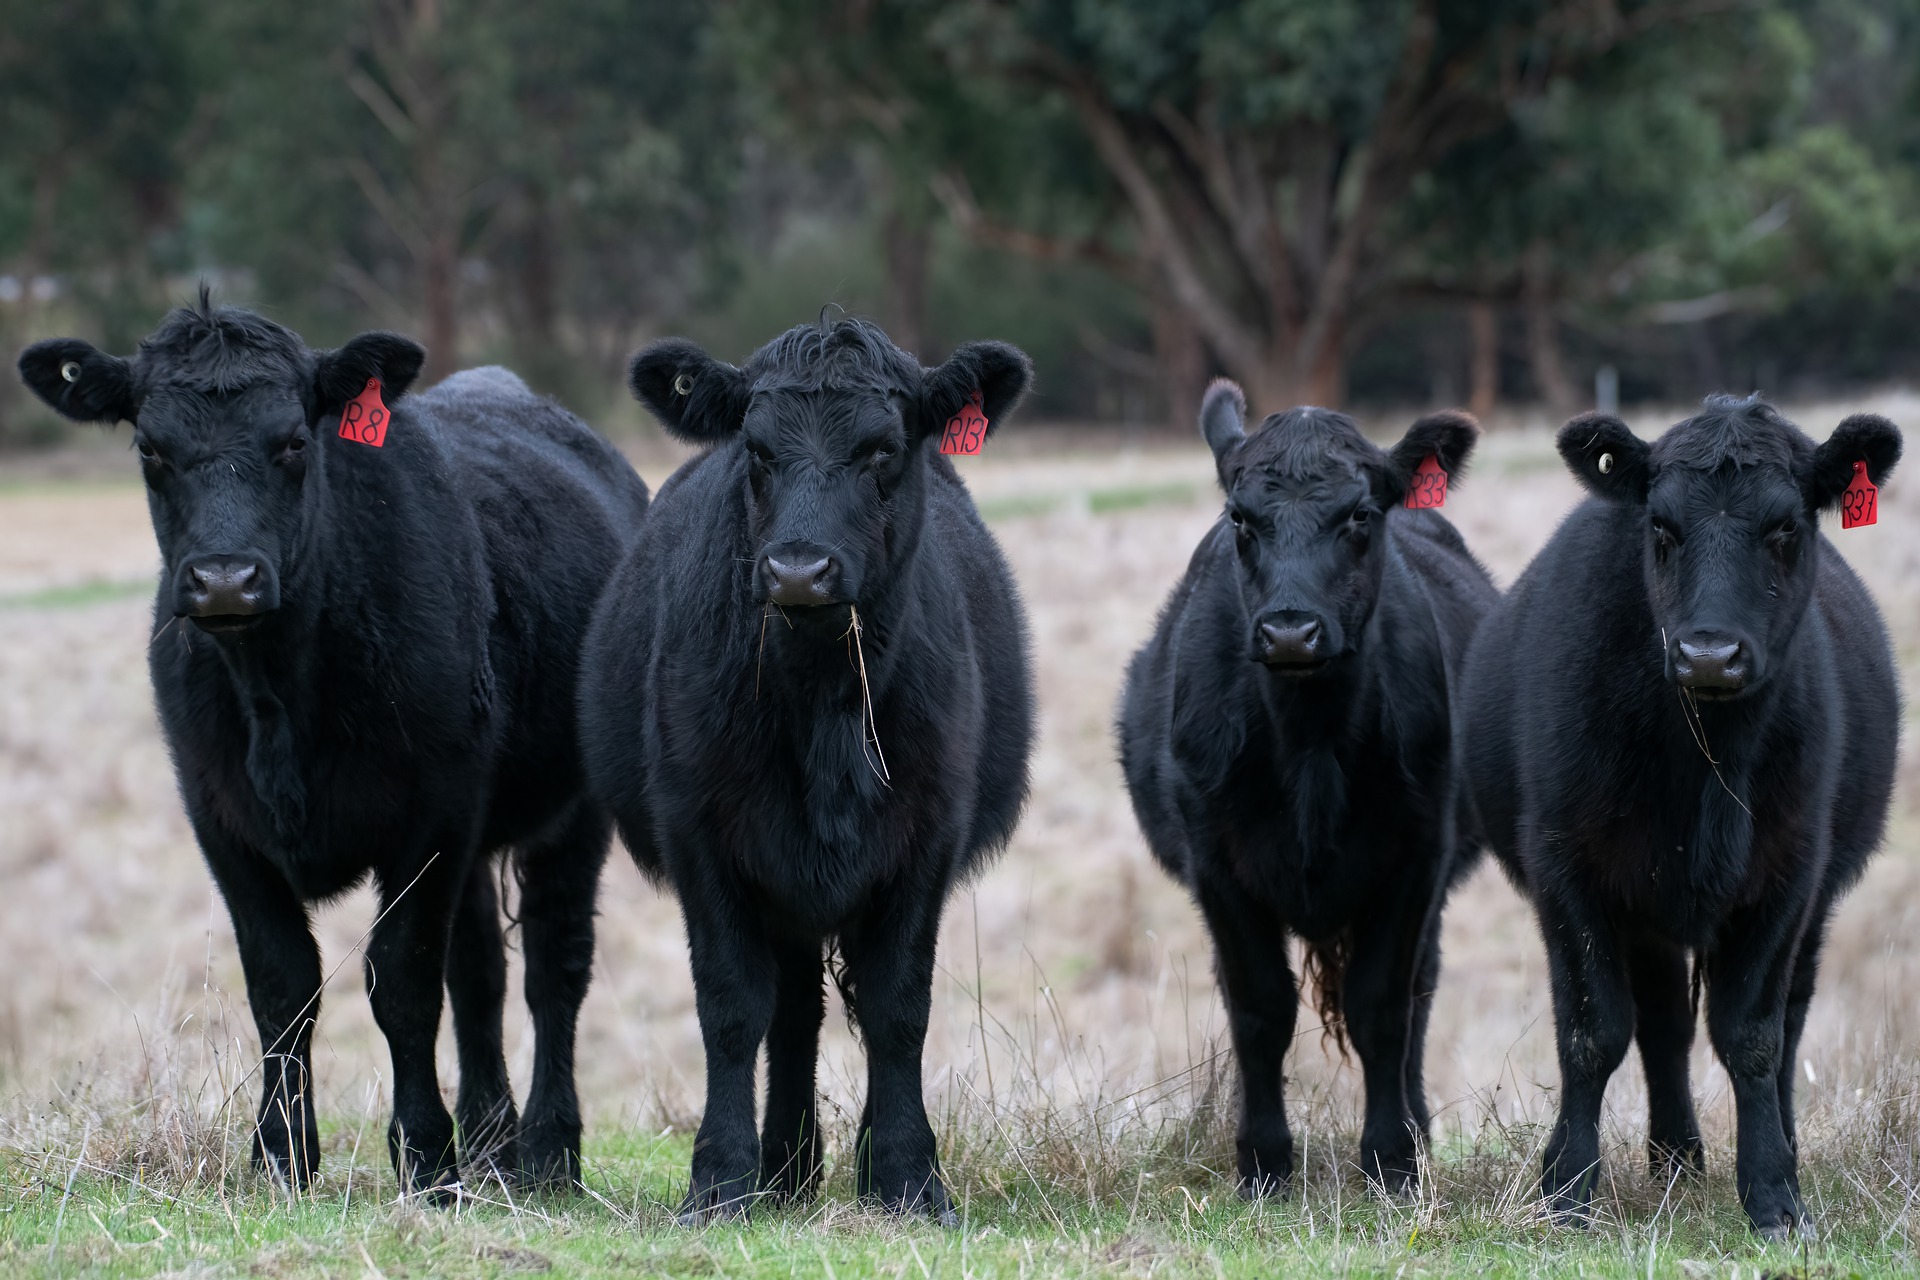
[(559, 882), (1592, 1023), (282, 966), (1806, 966), (1256, 982), (1378, 996), (406, 964), (1663, 1026), (477, 991), (889, 956), (734, 981), (790, 1162), (1749, 974)]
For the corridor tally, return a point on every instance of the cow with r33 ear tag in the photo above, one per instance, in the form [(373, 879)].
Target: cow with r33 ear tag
[(1286, 738)]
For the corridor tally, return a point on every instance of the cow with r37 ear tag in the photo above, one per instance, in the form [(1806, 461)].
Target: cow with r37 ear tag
[(1286, 737), (1680, 730), (363, 655), (808, 702)]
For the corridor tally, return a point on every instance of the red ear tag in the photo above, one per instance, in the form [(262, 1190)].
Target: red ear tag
[(966, 431), (1860, 503), (1428, 488), (365, 416)]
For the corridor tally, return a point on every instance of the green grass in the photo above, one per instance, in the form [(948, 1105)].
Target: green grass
[(1101, 502), (63, 1217), (1132, 497), (75, 595)]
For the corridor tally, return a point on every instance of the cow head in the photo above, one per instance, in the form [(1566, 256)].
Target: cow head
[(837, 428), (1727, 505), (1307, 496), (225, 407)]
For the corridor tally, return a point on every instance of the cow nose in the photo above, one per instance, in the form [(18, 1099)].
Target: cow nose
[(224, 588), (1710, 662), (1290, 640), (801, 585)]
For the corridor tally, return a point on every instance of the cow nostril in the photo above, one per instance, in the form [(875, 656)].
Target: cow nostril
[(1711, 663), (1285, 641), (800, 584)]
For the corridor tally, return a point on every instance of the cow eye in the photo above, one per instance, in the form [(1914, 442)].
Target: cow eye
[(147, 452), (297, 446)]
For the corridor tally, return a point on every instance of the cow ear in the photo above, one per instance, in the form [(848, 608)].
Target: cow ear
[(1606, 457), (1447, 436), (1865, 437), (1000, 372), (1223, 420), (697, 398), (80, 381), (342, 374)]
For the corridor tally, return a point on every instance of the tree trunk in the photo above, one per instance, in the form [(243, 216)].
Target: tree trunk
[(1181, 355), (1543, 337), (1326, 380), (908, 242), (1483, 375)]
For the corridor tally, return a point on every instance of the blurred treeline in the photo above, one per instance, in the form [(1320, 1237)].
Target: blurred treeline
[(1334, 200)]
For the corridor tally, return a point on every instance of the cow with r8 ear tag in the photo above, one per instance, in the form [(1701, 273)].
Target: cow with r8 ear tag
[(1287, 742), (855, 696)]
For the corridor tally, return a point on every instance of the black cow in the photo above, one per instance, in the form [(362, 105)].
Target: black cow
[(806, 699), (1285, 736), (1679, 733), (364, 660)]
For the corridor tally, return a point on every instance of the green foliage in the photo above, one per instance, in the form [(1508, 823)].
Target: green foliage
[(548, 185)]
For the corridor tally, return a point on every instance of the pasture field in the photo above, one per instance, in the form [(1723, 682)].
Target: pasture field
[(1076, 1066)]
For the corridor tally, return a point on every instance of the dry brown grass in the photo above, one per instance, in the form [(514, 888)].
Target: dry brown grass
[(1075, 1051)]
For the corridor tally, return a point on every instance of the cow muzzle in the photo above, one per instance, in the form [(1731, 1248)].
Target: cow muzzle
[(796, 576), (1712, 664), (225, 593), (1291, 643)]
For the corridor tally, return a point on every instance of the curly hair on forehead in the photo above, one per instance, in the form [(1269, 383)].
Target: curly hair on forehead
[(1298, 444), (1745, 431), (220, 349), (848, 353)]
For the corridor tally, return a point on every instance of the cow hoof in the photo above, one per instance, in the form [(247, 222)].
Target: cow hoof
[(1264, 1186), (548, 1167), (295, 1173), (704, 1208), (1784, 1225), (1393, 1174)]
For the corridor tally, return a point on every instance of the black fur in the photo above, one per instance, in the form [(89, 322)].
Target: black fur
[(390, 692), (1651, 822), (1317, 800), (732, 739)]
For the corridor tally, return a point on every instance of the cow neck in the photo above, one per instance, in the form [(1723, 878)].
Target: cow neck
[(273, 671), (1721, 742)]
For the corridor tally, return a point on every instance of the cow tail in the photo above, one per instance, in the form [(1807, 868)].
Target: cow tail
[(1323, 966)]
